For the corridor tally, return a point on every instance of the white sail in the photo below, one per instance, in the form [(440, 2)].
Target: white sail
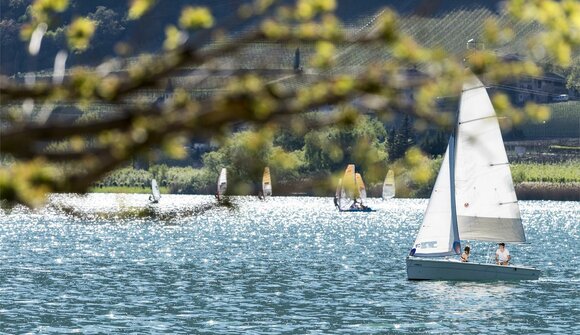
[(155, 194), (338, 189), (436, 235), (266, 183), (222, 183), (487, 207), (389, 185), (348, 190)]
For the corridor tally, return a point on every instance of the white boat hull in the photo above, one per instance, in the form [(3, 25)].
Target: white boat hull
[(444, 269)]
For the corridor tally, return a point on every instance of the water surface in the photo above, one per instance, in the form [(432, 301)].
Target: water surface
[(286, 265)]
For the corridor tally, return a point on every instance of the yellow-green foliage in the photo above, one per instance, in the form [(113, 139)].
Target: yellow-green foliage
[(554, 173)]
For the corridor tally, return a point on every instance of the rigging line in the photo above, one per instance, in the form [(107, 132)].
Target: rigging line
[(473, 88), (478, 119), (509, 202)]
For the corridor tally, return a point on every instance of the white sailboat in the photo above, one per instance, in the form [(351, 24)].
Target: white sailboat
[(266, 183), (473, 199), (389, 185), (222, 184), (155, 194)]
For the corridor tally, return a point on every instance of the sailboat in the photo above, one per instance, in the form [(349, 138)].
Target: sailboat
[(266, 183), (222, 184), (352, 192), (155, 194), (473, 199), (389, 185)]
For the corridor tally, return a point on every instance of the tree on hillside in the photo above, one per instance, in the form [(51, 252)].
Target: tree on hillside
[(246, 154), (218, 94), (401, 139), (362, 144)]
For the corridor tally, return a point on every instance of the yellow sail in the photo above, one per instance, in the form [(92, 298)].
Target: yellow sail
[(348, 181), (361, 187), (266, 182)]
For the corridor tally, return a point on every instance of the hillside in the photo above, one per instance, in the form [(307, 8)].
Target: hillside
[(147, 34)]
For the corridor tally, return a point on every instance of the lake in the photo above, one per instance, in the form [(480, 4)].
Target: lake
[(285, 265)]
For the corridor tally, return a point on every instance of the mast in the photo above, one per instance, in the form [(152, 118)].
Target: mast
[(452, 159)]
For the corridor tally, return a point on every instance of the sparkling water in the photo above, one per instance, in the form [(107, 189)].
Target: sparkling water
[(90, 264)]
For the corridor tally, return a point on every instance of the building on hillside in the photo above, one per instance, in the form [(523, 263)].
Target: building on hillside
[(547, 88)]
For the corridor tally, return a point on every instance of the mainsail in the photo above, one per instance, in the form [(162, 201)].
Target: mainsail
[(389, 185), (487, 207), (222, 183), (266, 183)]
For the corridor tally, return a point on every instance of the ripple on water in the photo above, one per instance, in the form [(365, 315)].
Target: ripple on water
[(291, 265)]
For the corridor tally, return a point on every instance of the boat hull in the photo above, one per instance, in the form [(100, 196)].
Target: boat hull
[(358, 210), (437, 269)]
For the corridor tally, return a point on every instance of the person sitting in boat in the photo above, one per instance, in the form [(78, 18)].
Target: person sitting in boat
[(260, 195), (356, 205), (502, 255), (336, 202), (465, 255)]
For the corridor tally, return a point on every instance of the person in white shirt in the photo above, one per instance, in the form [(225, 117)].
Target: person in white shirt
[(502, 255)]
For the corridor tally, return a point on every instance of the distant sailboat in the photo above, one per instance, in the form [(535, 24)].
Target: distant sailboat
[(473, 198), (155, 194), (222, 184), (352, 192), (266, 183), (389, 185)]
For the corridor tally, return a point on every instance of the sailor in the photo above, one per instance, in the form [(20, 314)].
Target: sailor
[(465, 254), (336, 202), (502, 255)]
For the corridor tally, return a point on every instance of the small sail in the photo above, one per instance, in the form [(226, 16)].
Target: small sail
[(222, 183), (266, 183), (389, 185), (338, 193), (155, 194), (348, 190), (362, 191), (487, 207)]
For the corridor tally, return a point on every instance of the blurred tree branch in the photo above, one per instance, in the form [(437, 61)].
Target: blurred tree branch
[(96, 147)]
